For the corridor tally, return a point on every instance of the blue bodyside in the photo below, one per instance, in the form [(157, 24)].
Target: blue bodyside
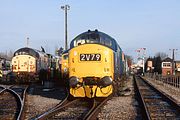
[(118, 63)]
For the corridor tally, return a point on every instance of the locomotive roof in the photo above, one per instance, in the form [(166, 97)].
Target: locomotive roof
[(66, 51), (95, 37), (28, 51)]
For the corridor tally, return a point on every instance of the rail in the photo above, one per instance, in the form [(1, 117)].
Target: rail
[(2, 88), (156, 104), (12, 104), (22, 111), (56, 109), (98, 103), (50, 111), (82, 108)]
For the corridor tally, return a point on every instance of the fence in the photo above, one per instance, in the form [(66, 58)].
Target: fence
[(172, 82)]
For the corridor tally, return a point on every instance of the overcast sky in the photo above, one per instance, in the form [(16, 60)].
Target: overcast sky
[(153, 24)]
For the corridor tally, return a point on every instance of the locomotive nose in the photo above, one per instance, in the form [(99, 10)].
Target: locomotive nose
[(105, 81), (73, 81)]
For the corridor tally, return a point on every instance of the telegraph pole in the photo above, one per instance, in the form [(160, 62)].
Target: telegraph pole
[(66, 8), (143, 57), (173, 64)]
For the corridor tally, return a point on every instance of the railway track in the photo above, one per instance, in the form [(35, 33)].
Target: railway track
[(51, 111), (21, 91), (94, 111), (39, 100), (2, 88), (156, 104), (10, 105), (12, 102), (79, 108)]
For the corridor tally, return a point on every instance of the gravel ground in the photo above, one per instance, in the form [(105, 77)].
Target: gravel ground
[(167, 89), (73, 112), (121, 107), (39, 101)]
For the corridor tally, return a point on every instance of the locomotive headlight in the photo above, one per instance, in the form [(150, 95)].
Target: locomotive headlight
[(105, 81), (106, 52), (106, 69), (73, 81), (65, 69), (75, 53)]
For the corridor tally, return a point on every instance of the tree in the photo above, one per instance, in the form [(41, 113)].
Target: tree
[(157, 64), (129, 60), (162, 55), (7, 55)]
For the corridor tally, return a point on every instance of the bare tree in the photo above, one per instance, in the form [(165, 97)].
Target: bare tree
[(56, 50), (162, 55), (7, 55), (129, 60), (10, 54)]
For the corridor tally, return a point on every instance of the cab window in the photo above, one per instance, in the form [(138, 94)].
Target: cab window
[(65, 57), (79, 42)]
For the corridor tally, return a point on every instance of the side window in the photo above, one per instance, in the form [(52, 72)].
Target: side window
[(108, 42), (104, 40), (115, 46), (123, 57), (120, 53)]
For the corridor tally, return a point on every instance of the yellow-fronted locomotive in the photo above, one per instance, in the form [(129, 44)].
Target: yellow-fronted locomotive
[(30, 64), (95, 62), (64, 65)]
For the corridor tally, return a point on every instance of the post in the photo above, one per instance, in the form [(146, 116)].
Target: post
[(143, 64), (65, 8), (173, 64)]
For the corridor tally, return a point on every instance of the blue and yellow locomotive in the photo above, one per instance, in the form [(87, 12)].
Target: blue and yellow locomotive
[(95, 62), (64, 65)]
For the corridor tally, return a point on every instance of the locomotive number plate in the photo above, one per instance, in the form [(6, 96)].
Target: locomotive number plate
[(90, 57)]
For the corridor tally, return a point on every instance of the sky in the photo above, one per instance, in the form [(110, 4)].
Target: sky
[(153, 24)]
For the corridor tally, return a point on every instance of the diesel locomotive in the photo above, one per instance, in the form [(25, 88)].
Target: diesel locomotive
[(64, 65), (30, 64), (96, 61)]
